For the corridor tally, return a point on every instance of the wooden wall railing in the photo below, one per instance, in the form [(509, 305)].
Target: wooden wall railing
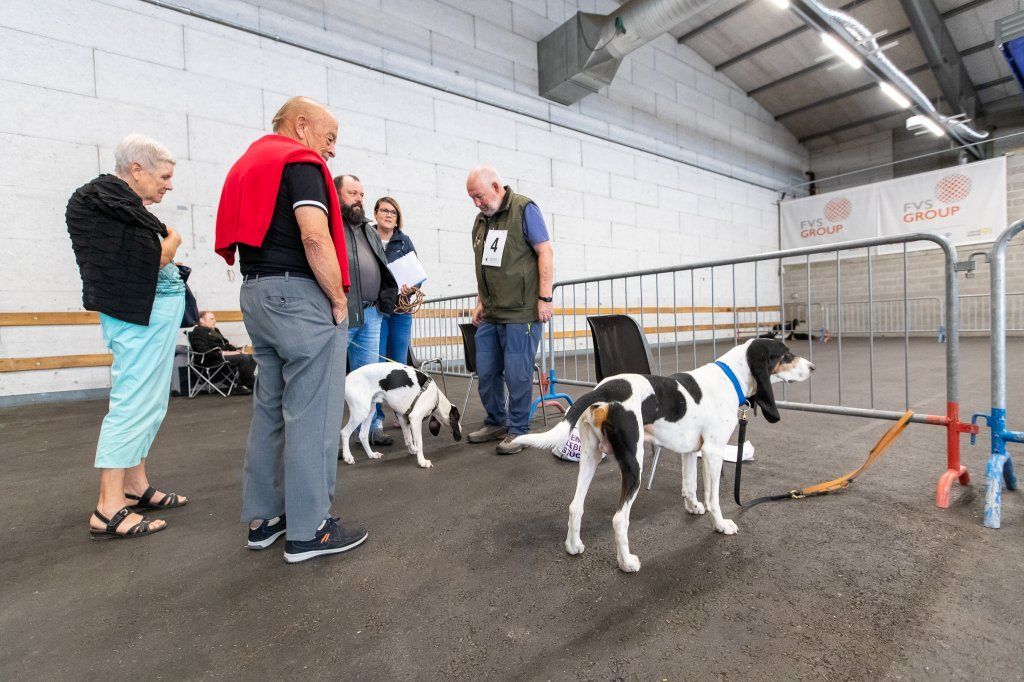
[(72, 318)]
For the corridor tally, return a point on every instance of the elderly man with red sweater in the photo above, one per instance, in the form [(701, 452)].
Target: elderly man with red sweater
[(279, 209)]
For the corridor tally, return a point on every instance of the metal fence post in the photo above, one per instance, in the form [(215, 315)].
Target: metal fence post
[(1000, 465), (954, 427)]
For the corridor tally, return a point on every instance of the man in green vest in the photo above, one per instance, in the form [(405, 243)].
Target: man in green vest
[(514, 273)]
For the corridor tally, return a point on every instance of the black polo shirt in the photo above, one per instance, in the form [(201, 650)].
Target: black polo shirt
[(302, 184)]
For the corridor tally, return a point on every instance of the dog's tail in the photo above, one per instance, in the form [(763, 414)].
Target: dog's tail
[(555, 438), (620, 429)]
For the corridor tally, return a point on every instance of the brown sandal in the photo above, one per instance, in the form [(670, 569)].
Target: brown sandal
[(145, 501), (140, 529)]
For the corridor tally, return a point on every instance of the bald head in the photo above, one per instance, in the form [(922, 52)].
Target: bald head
[(309, 123), (486, 189)]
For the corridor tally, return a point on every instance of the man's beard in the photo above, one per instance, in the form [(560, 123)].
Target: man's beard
[(353, 214)]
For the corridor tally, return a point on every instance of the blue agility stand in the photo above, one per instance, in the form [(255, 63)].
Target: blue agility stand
[(1000, 464), (550, 399)]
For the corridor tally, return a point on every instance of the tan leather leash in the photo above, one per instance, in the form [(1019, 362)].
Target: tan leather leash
[(835, 485)]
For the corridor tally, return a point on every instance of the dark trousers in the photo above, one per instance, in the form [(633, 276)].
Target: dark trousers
[(246, 367)]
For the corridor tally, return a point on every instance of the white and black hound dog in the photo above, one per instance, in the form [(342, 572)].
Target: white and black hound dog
[(688, 412), (413, 395)]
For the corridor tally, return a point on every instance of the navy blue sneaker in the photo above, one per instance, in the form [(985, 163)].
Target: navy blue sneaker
[(330, 539), (267, 533)]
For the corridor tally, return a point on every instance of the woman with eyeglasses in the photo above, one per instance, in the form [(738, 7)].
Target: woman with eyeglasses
[(396, 327)]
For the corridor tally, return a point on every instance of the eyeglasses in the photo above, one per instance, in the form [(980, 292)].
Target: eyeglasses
[(387, 212)]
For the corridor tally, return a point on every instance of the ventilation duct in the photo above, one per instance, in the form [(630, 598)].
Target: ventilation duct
[(582, 55), (859, 39)]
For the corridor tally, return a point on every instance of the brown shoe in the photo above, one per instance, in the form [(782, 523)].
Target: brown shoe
[(506, 447), (487, 433)]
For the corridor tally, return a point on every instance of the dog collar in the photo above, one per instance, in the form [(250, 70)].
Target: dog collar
[(735, 382)]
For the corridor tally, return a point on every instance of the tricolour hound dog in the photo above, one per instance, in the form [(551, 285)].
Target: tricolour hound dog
[(688, 412), (413, 395)]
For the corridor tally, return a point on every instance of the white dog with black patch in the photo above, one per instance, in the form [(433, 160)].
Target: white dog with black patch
[(413, 396), (687, 412)]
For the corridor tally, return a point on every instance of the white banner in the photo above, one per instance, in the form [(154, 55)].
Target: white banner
[(830, 218), (966, 204)]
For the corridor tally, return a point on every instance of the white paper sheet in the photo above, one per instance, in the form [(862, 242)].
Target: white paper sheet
[(408, 270)]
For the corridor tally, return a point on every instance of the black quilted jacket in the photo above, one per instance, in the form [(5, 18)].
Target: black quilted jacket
[(117, 246)]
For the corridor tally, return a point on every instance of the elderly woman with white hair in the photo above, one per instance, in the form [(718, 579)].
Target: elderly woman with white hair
[(125, 257)]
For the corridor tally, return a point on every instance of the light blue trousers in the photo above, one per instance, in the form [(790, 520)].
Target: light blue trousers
[(140, 382)]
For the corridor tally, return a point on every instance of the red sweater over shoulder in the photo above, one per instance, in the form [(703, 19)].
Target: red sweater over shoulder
[(250, 193)]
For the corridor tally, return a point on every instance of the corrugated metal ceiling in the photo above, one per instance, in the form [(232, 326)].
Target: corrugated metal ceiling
[(786, 68)]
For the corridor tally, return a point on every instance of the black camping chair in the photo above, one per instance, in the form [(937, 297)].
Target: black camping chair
[(209, 371), (620, 347)]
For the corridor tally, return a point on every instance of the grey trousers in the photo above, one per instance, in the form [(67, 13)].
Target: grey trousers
[(291, 459)]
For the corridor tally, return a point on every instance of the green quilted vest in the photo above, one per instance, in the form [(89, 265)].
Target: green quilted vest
[(508, 293)]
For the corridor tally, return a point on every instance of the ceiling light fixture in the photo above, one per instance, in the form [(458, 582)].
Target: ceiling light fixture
[(895, 95), (926, 122), (781, 4), (844, 53)]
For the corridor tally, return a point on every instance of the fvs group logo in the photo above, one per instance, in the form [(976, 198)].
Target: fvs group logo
[(831, 221), (949, 192)]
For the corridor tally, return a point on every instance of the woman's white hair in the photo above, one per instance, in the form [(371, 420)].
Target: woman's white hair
[(142, 150)]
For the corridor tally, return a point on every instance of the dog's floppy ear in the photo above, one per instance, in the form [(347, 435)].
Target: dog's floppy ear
[(434, 425), (762, 356), (454, 419)]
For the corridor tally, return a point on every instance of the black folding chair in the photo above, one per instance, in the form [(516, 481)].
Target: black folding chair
[(209, 371), (469, 350), (413, 361), (620, 347)]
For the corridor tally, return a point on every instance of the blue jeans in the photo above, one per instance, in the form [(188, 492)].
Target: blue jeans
[(395, 337), (505, 355), (364, 341)]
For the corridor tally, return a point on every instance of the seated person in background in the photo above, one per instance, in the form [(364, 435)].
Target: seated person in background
[(206, 337)]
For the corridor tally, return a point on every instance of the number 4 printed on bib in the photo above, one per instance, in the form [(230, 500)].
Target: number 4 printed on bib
[(494, 247)]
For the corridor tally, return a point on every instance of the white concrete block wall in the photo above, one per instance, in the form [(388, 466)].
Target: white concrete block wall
[(835, 165), (207, 91)]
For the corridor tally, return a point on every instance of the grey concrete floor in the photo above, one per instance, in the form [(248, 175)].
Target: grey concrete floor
[(464, 574)]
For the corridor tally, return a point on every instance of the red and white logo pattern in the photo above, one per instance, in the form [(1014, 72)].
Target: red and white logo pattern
[(838, 209), (952, 188)]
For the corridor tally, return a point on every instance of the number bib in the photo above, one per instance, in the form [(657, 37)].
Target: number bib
[(494, 247)]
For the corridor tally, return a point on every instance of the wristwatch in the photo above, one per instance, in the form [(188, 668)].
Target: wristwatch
[(546, 299)]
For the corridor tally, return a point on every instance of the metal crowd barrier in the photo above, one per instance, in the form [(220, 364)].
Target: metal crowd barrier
[(681, 308), (1000, 465), (435, 331), (975, 312)]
